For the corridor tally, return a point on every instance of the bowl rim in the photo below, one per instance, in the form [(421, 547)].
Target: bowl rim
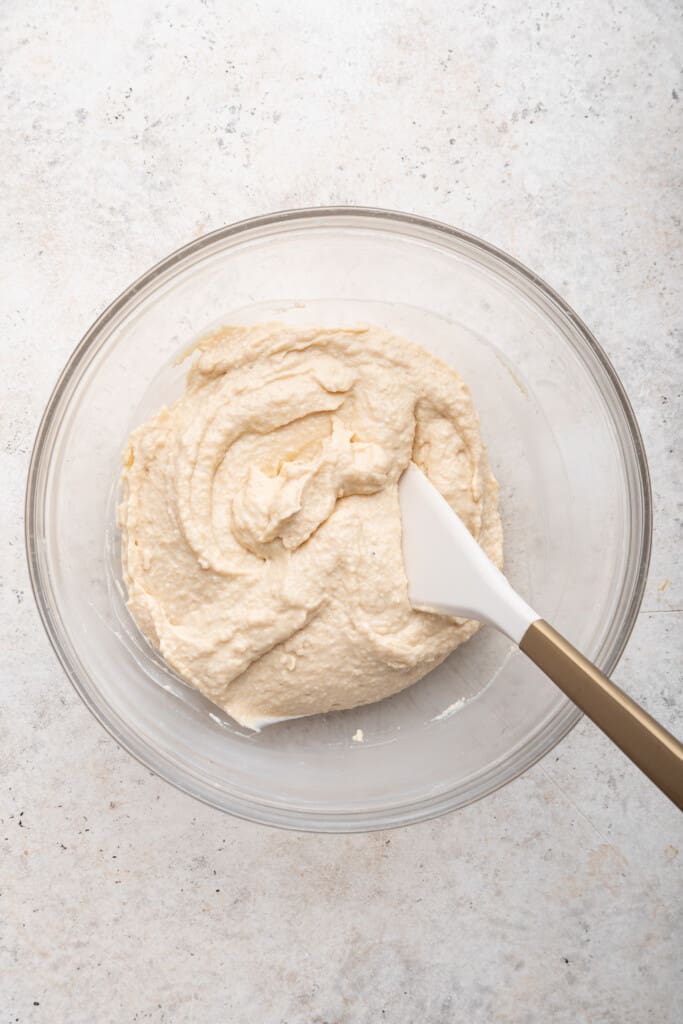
[(398, 814)]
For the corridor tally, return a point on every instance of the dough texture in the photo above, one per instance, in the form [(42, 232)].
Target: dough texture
[(260, 518)]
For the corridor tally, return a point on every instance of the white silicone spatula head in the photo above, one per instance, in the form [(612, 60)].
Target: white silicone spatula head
[(449, 573), (447, 570)]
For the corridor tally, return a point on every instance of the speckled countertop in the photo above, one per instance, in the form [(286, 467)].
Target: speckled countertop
[(556, 132)]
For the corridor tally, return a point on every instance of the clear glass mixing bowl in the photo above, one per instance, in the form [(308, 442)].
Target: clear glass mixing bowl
[(563, 443)]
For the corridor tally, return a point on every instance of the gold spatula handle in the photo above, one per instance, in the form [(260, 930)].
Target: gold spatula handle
[(656, 752)]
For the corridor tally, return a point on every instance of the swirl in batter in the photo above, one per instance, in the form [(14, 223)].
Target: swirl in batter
[(260, 518)]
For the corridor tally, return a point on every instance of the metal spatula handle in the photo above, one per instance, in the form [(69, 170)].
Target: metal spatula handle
[(656, 752)]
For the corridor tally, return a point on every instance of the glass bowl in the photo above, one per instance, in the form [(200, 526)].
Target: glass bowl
[(563, 443)]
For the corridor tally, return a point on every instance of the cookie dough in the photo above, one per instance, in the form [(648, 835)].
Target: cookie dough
[(260, 519)]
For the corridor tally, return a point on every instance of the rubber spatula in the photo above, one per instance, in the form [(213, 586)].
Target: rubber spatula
[(448, 573)]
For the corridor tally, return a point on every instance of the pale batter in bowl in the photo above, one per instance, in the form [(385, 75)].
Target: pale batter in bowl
[(260, 518), (564, 446)]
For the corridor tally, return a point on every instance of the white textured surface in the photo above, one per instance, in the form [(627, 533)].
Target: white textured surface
[(553, 130)]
